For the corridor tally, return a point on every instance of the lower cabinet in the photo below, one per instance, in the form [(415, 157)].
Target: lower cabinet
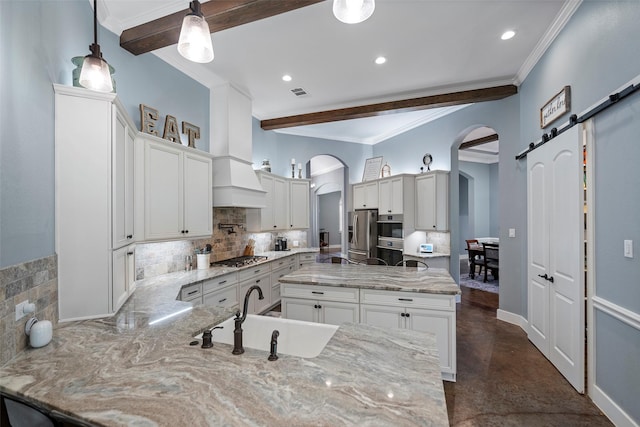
[(256, 305), (306, 259), (422, 312), (221, 291), (123, 279), (275, 280)]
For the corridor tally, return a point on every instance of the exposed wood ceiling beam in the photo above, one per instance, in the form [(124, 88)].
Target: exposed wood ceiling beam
[(402, 106), (220, 14), (478, 141)]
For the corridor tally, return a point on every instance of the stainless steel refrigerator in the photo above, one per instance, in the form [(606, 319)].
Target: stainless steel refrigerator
[(363, 234)]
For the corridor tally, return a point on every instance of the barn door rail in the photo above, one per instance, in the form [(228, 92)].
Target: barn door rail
[(574, 119)]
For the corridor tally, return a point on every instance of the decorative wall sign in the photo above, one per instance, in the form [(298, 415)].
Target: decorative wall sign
[(149, 117), (372, 168), (556, 107)]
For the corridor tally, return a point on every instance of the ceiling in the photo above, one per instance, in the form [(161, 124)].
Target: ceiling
[(432, 47)]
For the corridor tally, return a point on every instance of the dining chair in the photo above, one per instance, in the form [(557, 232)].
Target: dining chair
[(375, 261), (340, 260), (475, 259), (412, 263), (491, 259)]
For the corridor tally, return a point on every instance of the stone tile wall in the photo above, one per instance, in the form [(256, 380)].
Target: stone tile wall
[(154, 259), (36, 281)]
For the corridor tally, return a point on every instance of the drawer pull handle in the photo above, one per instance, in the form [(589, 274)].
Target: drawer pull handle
[(130, 236), (222, 283), (222, 300), (258, 281), (192, 292), (317, 292), (405, 299)]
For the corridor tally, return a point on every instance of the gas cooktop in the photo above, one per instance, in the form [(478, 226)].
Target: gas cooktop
[(240, 261)]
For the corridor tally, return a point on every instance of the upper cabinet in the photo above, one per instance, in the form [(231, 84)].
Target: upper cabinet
[(365, 195), (122, 206), (432, 201), (177, 184), (287, 204), (392, 192)]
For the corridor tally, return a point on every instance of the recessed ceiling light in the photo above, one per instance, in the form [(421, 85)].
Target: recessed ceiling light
[(508, 35), (286, 78), (381, 60)]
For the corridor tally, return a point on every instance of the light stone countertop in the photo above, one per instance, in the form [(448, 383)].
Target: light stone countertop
[(427, 255), (136, 368), (405, 279)]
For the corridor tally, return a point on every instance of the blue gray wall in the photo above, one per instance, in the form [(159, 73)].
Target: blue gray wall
[(485, 202), (328, 216), (37, 41)]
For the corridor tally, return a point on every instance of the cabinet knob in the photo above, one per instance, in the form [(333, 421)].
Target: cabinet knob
[(275, 226), (186, 231), (389, 210), (402, 314)]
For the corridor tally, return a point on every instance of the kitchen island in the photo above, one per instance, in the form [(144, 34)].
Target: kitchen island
[(404, 298), (137, 368)]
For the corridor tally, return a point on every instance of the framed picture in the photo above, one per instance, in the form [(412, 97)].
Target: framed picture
[(372, 169), (556, 107)]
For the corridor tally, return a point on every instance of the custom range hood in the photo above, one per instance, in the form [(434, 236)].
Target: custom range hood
[(235, 183)]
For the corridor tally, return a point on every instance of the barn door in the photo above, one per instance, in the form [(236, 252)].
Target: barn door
[(556, 253)]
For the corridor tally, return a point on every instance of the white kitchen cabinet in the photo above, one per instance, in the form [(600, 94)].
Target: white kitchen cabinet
[(287, 204), (415, 311), (123, 275), (365, 195), (432, 201), (123, 209), (260, 276), (280, 268), (299, 204), (322, 304), (177, 191), (306, 258), (222, 297), (390, 199), (93, 209)]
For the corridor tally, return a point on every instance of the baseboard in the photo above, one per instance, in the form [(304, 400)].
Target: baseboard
[(614, 412), (514, 319)]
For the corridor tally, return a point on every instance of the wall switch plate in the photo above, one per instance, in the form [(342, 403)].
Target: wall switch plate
[(296, 243), (512, 232), (628, 248), (20, 309)]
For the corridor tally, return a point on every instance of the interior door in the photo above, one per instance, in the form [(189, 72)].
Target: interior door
[(556, 254)]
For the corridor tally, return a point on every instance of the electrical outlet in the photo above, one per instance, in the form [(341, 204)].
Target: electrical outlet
[(512, 232), (20, 309), (628, 248), (296, 243)]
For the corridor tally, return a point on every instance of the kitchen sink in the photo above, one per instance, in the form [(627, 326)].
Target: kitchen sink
[(297, 338)]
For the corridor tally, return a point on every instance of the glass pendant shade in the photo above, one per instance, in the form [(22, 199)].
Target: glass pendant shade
[(353, 11), (194, 43), (95, 74)]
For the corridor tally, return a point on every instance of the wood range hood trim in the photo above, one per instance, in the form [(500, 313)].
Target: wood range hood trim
[(400, 106), (220, 15)]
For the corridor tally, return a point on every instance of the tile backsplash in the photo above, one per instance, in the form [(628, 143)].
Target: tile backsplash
[(36, 281), (153, 259)]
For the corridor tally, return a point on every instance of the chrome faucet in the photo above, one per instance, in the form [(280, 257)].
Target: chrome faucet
[(238, 321)]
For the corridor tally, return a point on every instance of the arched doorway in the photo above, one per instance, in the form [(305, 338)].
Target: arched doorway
[(329, 182), (478, 192)]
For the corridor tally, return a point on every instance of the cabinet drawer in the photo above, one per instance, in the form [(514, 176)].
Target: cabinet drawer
[(277, 274), (275, 292), (254, 271), (320, 293), (408, 299), (225, 297), (191, 292), (218, 282), (282, 262), (307, 257)]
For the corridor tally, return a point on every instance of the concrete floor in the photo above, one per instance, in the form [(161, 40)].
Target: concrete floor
[(503, 380)]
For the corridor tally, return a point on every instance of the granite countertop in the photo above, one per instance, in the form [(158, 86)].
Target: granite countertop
[(427, 255), (433, 280), (137, 368)]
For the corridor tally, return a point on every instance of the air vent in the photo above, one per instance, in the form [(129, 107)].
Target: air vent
[(299, 91)]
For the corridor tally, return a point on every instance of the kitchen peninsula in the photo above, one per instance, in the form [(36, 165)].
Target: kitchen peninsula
[(383, 296), (137, 367)]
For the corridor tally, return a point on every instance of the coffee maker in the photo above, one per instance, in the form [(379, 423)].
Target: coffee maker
[(281, 244)]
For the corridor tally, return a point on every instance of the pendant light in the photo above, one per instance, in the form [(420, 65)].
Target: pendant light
[(353, 11), (194, 43), (95, 70)]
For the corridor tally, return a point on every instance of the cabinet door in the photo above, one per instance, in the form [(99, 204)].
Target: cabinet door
[(119, 291), (267, 221), (441, 324), (381, 316), (300, 309), (122, 181), (163, 188), (359, 197), (371, 195), (299, 204), (390, 196), (198, 206), (384, 197), (256, 305), (281, 204), (426, 202), (337, 313)]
